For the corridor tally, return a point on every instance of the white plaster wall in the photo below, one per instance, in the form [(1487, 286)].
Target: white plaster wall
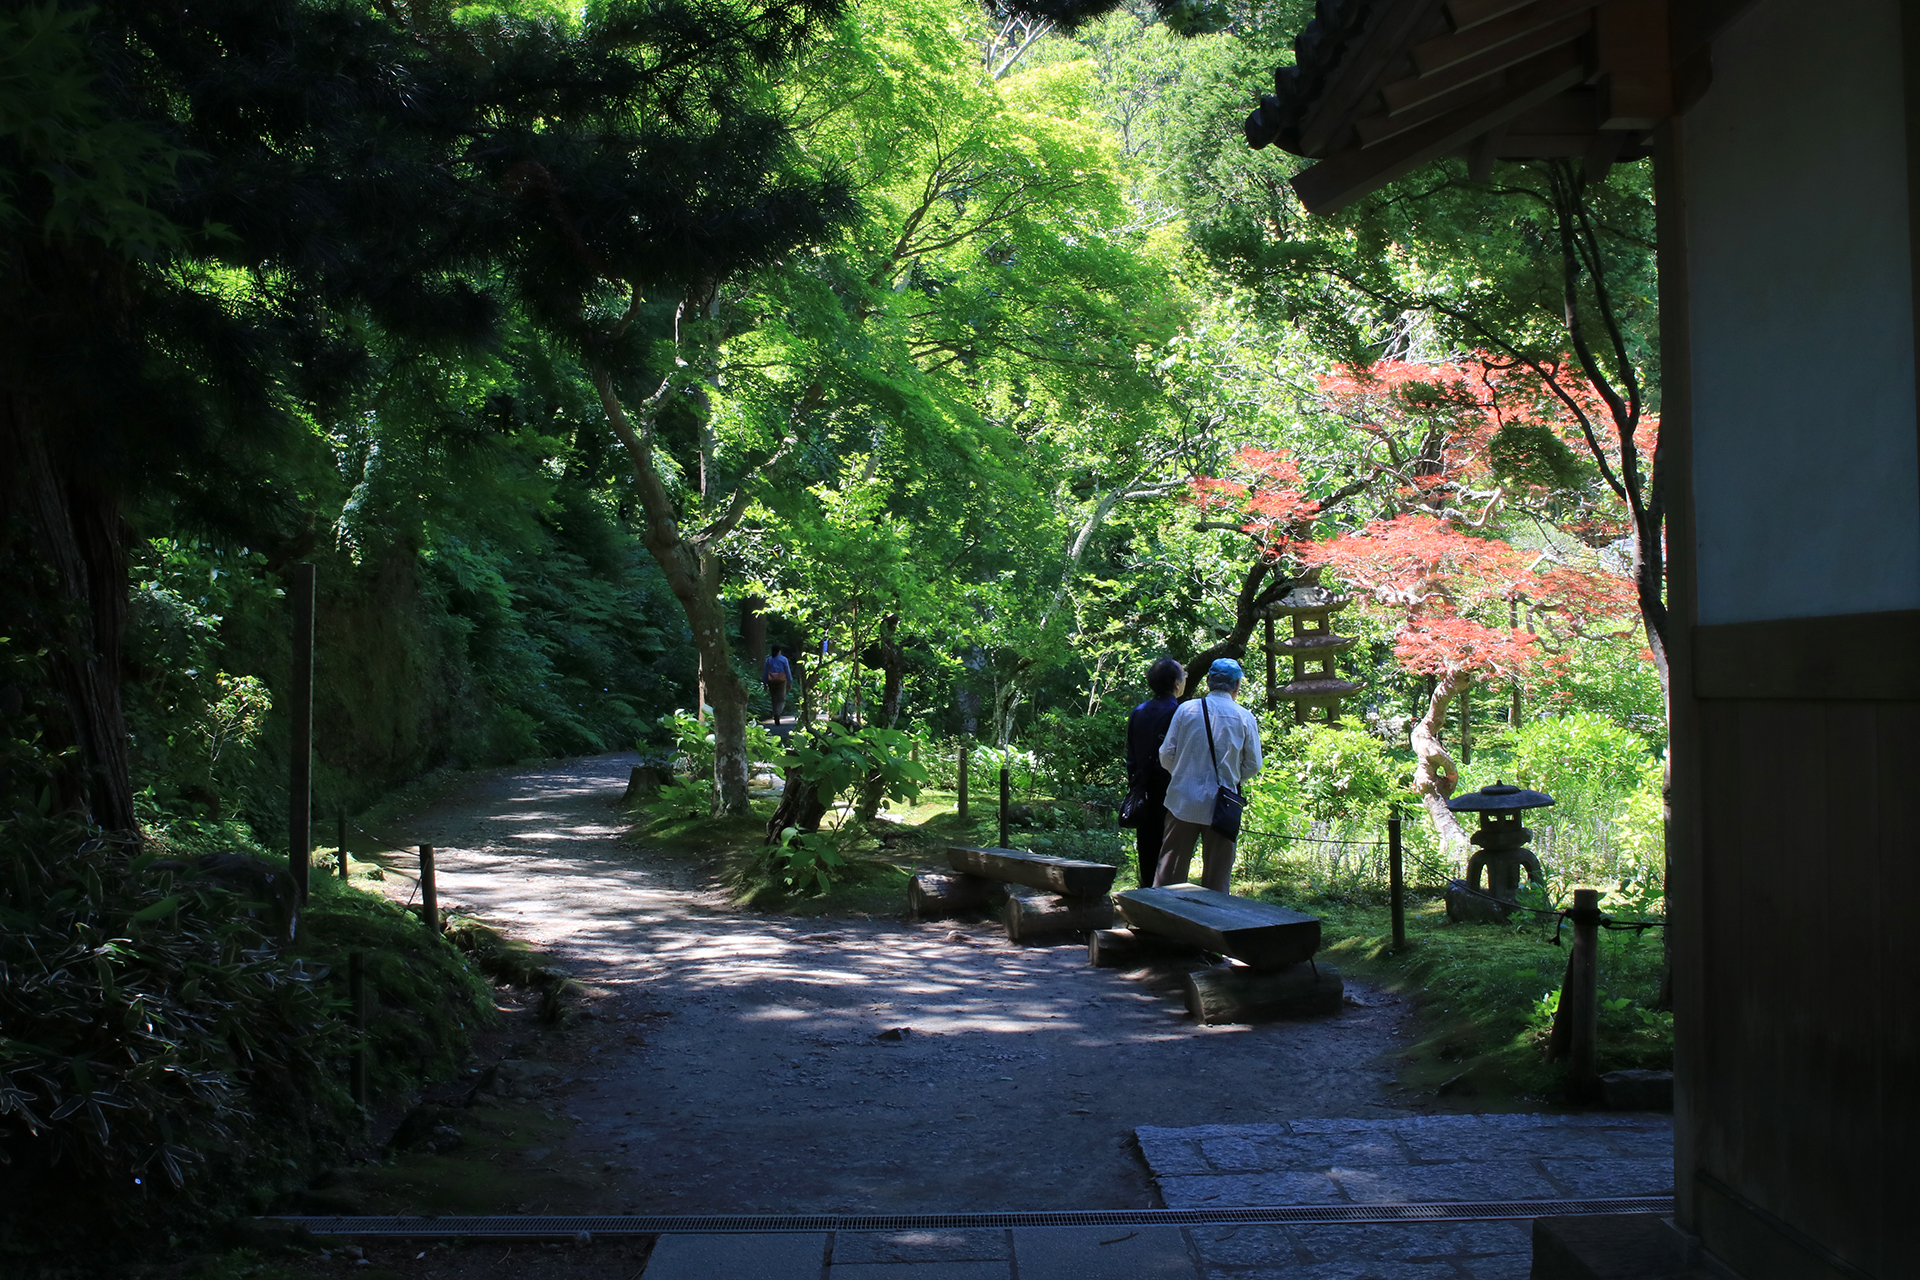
[(1806, 479)]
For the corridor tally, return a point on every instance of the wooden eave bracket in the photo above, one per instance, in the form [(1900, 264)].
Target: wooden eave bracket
[(1341, 179)]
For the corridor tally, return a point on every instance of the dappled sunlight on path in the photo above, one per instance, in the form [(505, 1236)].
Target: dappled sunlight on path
[(738, 1064)]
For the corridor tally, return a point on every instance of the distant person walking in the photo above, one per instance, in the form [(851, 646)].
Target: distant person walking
[(1212, 742), (775, 673), (1146, 730)]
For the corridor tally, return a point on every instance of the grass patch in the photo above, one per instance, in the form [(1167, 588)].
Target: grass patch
[(1485, 997)]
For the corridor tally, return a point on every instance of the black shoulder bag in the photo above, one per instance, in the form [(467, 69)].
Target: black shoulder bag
[(1227, 801)]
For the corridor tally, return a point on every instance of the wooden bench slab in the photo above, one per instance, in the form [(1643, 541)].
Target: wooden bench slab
[(1256, 933), (1064, 876)]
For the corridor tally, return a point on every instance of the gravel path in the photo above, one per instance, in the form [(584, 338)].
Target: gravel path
[(737, 1059)]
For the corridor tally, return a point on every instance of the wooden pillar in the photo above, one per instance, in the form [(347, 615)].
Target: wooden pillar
[(429, 892), (1396, 883), (357, 1001), (300, 753), (966, 750), (1004, 796)]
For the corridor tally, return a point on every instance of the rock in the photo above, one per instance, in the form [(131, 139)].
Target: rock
[(1637, 1090), (1466, 907), (894, 1034), (444, 1138), (643, 783), (583, 1238), (419, 1127)]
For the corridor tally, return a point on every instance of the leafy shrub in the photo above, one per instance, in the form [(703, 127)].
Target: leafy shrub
[(830, 760), (1578, 756), (1343, 772), (836, 757), (165, 1056), (1077, 753), (154, 1043)]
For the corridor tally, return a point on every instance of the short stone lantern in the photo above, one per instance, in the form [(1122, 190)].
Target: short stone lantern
[(1501, 851)]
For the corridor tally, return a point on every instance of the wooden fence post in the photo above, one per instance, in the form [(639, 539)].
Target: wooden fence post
[(1003, 807), (1580, 999), (357, 1000), (1396, 883), (300, 763), (1576, 1025), (965, 751), (429, 893)]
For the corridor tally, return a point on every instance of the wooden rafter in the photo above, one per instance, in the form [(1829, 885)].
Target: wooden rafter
[(1442, 52), (1398, 24), (1405, 94), (1345, 177)]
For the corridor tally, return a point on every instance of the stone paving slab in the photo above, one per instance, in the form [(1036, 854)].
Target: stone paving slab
[(987, 1244), (934, 1270), (1105, 1253), (798, 1255), (1405, 1159)]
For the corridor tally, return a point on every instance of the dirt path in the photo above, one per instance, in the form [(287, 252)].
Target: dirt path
[(735, 1058)]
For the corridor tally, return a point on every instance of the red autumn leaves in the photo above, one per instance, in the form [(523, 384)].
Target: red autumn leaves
[(1424, 434)]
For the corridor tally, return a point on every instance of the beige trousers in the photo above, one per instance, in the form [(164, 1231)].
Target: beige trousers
[(1176, 855)]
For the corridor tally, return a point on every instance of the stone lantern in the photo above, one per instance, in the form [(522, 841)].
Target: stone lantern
[(1500, 851)]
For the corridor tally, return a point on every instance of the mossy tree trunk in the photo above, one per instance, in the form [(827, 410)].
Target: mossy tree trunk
[(63, 603)]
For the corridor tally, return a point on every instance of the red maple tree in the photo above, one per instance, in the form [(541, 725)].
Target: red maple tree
[(1447, 451)]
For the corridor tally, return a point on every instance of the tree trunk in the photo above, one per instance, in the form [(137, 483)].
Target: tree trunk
[(1250, 608), (1434, 775), (692, 570), (63, 593), (892, 661)]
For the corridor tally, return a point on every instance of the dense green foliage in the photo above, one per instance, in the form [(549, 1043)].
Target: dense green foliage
[(575, 345)]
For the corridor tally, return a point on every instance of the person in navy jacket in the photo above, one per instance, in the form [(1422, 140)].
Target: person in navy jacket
[(1146, 728)]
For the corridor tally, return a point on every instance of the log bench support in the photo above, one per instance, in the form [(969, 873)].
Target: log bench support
[(1235, 993), (936, 895), (1058, 895), (1039, 915), (1125, 948)]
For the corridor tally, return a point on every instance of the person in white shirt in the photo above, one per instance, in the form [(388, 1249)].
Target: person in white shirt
[(1199, 773)]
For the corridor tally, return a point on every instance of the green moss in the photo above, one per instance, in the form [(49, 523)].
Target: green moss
[(1485, 996), (426, 998)]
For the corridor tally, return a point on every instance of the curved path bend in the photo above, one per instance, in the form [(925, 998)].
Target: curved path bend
[(735, 1064)]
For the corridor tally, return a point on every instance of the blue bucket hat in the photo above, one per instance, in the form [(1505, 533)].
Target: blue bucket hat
[(1225, 673)]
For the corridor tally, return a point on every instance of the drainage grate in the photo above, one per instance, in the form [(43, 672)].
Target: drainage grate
[(534, 1226)]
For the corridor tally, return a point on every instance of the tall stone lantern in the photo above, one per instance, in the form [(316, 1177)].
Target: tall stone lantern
[(1313, 646), (1500, 853)]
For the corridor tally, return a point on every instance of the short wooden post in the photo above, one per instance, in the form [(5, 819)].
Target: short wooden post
[(357, 1000), (345, 872), (1580, 996), (429, 894), (300, 763), (965, 752), (1396, 883), (1003, 807)]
